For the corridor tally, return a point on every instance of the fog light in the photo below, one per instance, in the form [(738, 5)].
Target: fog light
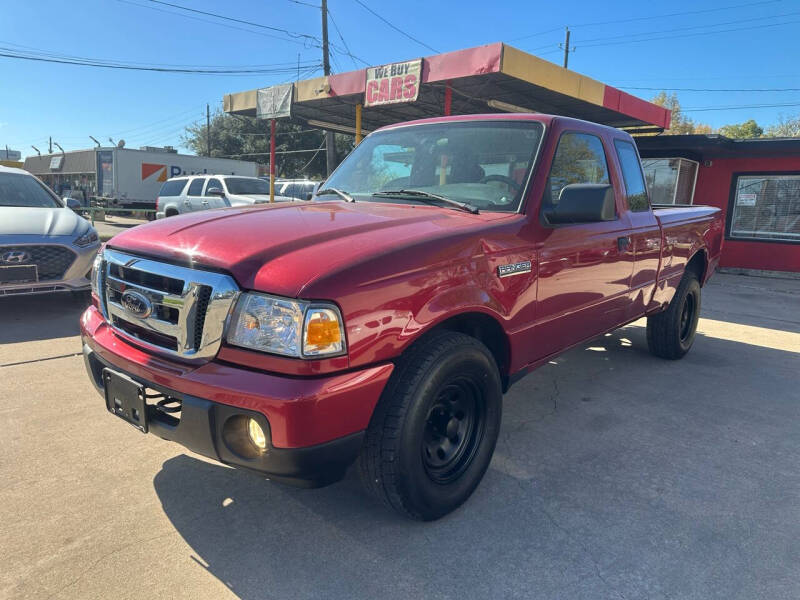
[(256, 434)]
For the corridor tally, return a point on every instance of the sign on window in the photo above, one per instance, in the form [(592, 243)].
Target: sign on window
[(394, 83)]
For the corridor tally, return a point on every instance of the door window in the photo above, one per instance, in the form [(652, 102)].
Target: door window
[(214, 183), (579, 158), (632, 174), (196, 187)]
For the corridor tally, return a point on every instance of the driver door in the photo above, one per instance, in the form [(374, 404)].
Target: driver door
[(584, 268)]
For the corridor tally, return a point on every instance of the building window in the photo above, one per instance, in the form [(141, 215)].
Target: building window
[(670, 180), (766, 207)]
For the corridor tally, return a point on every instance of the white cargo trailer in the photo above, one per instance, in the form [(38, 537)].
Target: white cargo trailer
[(136, 176), (125, 177)]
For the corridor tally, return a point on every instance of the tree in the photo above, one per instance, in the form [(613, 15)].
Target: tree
[(785, 127), (246, 138), (748, 129), (680, 123)]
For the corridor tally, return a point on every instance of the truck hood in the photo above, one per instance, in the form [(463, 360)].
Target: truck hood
[(19, 220), (242, 199), (281, 248)]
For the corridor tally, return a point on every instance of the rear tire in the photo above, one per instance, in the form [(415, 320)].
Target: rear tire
[(670, 333), (434, 430)]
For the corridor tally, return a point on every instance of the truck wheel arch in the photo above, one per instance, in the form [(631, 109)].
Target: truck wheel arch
[(482, 326), (698, 264)]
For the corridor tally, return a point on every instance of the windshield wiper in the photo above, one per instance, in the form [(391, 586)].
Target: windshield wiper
[(342, 194), (427, 196)]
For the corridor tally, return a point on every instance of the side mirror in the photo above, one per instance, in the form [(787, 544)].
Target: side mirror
[(309, 195), (73, 204), (215, 191), (583, 203)]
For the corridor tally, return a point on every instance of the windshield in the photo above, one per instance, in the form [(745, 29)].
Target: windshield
[(25, 190), (245, 186), (485, 164)]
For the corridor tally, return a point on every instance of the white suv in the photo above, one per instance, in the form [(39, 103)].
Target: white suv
[(200, 192)]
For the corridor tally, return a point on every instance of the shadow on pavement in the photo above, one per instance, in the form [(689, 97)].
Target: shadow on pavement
[(616, 475), (40, 317)]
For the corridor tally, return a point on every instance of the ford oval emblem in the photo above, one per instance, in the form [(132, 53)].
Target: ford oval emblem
[(137, 304)]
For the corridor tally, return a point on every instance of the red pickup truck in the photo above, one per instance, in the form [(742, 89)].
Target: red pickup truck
[(382, 322)]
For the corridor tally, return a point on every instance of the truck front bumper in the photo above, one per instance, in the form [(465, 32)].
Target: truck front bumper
[(314, 426)]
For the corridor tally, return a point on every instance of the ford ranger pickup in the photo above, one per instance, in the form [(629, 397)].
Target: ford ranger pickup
[(381, 323)]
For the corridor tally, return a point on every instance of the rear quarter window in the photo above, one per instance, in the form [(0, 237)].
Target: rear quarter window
[(173, 187)]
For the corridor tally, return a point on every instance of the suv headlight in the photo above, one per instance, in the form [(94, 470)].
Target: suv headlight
[(96, 268), (87, 239), (287, 327)]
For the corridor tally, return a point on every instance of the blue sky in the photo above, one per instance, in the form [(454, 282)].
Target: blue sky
[(725, 44)]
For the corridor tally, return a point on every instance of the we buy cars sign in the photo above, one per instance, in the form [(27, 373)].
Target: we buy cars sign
[(394, 83)]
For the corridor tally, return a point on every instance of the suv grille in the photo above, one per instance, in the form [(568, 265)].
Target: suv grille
[(51, 261), (170, 309)]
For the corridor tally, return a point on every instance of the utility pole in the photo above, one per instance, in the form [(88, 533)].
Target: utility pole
[(330, 148), (208, 130), (566, 48), (51, 145)]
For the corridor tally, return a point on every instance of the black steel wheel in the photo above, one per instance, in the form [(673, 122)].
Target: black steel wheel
[(671, 333), (453, 430), (433, 433)]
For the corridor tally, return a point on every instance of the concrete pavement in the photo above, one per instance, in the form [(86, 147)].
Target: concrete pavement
[(617, 475)]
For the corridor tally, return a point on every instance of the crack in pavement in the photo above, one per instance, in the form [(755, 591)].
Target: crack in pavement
[(35, 360)]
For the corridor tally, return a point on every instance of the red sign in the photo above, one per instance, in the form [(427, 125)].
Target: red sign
[(394, 83)]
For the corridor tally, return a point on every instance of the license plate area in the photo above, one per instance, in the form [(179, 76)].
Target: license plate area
[(19, 274), (126, 399)]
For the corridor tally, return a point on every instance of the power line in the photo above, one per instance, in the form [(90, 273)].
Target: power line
[(741, 106), (217, 23), (51, 54), (92, 62), (670, 37), (396, 28), (344, 43), (648, 18), (627, 38), (722, 24), (678, 14), (293, 34)]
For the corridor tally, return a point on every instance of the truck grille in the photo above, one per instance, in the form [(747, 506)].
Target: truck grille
[(166, 308), (51, 261)]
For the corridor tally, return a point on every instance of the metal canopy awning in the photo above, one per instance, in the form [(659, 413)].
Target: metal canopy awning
[(485, 79)]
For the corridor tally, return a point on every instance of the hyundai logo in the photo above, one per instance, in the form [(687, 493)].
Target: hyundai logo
[(15, 257), (137, 304)]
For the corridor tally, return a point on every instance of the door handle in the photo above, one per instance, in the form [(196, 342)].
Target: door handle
[(623, 243)]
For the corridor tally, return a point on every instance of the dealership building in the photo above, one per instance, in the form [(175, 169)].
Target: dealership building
[(756, 183)]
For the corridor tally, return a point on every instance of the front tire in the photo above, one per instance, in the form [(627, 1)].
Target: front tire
[(434, 430), (671, 333)]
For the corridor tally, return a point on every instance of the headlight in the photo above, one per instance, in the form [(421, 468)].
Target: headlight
[(287, 327), (87, 239), (96, 267)]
